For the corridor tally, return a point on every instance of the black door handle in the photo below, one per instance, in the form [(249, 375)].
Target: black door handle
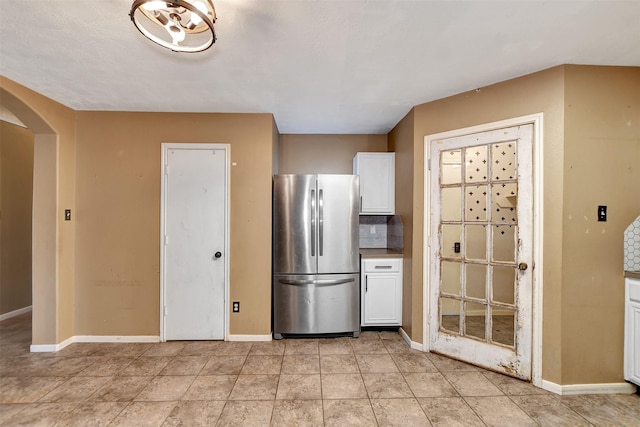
[(218, 254)]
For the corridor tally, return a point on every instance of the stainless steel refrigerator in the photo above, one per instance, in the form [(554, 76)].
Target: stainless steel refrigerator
[(316, 279)]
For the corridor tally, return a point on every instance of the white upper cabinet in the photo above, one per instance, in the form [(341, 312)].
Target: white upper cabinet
[(377, 182)]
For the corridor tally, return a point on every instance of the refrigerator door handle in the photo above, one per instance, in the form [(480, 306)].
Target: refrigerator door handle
[(316, 282), (320, 224), (313, 222)]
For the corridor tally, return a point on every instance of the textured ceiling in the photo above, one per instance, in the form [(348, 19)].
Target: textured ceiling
[(320, 66)]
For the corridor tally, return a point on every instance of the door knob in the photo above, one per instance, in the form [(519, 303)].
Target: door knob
[(218, 254), (522, 266)]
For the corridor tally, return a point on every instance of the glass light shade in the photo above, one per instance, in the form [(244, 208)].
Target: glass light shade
[(179, 25)]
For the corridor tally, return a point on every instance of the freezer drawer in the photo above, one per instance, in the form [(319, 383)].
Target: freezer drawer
[(316, 304)]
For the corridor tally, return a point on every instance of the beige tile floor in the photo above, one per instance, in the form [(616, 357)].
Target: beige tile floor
[(375, 380)]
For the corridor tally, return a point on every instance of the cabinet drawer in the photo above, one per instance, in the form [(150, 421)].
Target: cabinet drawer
[(386, 265)]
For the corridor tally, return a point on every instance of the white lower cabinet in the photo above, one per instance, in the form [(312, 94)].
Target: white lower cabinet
[(381, 292), (632, 331)]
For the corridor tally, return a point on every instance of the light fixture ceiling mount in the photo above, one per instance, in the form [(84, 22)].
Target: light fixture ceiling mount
[(179, 25)]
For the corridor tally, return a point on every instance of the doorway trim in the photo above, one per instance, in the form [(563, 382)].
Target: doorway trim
[(538, 234), (165, 147), (45, 321)]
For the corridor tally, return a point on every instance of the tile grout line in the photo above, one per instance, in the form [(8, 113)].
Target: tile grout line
[(82, 363)]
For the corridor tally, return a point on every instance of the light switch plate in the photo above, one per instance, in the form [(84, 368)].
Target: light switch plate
[(602, 213)]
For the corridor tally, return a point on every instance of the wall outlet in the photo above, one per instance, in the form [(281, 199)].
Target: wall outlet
[(372, 229), (236, 306)]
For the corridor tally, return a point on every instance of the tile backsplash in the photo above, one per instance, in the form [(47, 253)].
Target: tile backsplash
[(631, 246), (380, 231)]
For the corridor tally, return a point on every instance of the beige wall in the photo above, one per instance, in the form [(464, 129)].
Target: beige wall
[(537, 93), (16, 189), (591, 152), (53, 126), (401, 142), (253, 140), (601, 167), (325, 153), (118, 216)]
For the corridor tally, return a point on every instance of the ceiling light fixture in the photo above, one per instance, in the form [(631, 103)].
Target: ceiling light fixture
[(179, 25)]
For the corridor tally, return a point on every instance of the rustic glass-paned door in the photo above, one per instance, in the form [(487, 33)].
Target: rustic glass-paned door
[(480, 299)]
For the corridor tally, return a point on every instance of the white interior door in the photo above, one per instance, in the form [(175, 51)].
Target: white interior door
[(194, 241), (482, 249)]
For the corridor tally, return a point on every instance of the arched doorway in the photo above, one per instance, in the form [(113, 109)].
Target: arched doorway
[(44, 227), (16, 199)]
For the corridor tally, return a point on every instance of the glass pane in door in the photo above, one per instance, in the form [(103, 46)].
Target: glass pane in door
[(476, 165), (474, 320), (475, 240), (503, 167), (504, 243), (503, 202), (451, 279), (475, 203), (451, 198), (451, 240), (450, 169), (450, 315), (503, 284), (476, 281), (503, 327)]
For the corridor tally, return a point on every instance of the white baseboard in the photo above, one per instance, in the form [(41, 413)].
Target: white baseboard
[(50, 348), (117, 338), (563, 390), (47, 348), (414, 345), (15, 313), (573, 389), (249, 337)]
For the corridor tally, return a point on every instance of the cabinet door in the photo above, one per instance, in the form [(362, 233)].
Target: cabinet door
[(377, 182), (632, 344), (632, 331), (381, 301)]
